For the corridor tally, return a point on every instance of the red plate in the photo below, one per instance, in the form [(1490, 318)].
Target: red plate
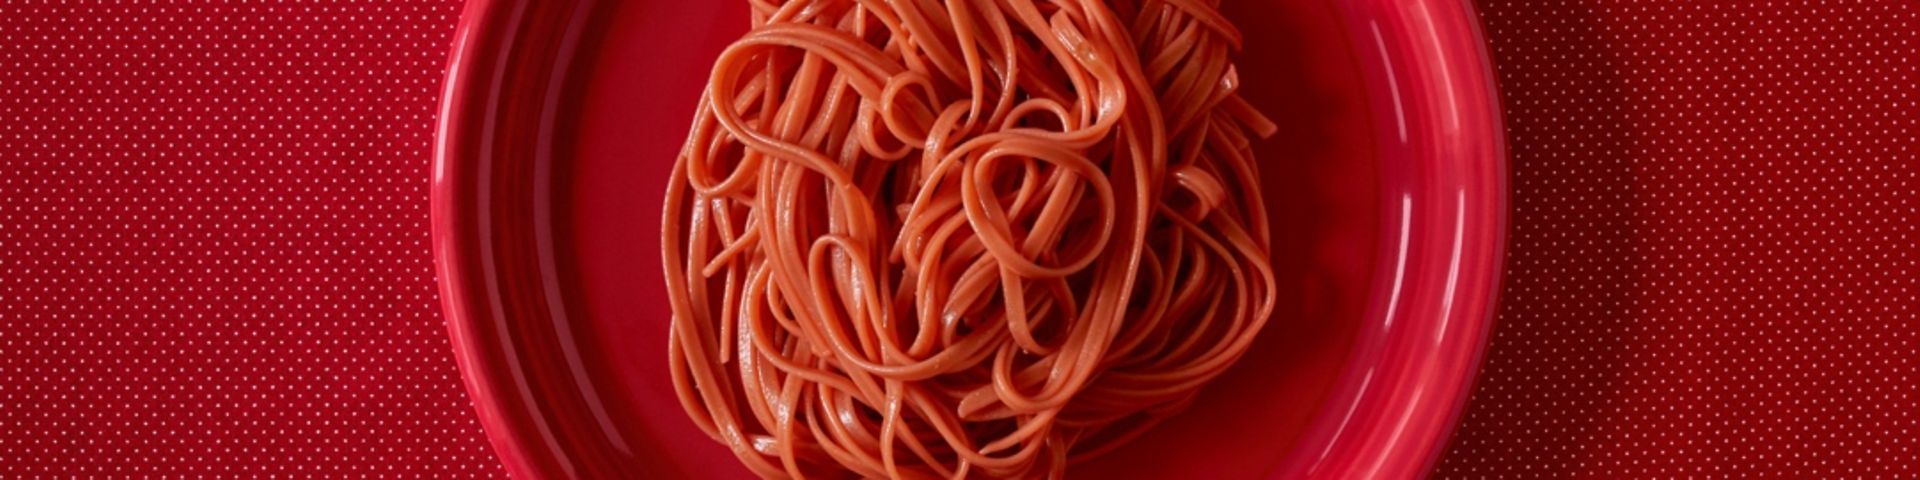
[(561, 119)]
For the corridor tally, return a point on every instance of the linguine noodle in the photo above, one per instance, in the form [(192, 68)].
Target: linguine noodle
[(970, 238)]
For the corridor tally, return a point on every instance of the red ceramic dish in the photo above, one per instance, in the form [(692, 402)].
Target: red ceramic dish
[(560, 120)]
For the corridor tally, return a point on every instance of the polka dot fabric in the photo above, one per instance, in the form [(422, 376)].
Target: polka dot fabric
[(1713, 261), (214, 257)]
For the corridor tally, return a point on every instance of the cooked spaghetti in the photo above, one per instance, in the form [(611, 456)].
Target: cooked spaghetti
[(978, 238)]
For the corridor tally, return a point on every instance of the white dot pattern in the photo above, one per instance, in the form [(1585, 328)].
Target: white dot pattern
[(214, 256), (1712, 269)]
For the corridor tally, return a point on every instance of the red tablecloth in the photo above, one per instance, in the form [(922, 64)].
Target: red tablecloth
[(1713, 266), (213, 241)]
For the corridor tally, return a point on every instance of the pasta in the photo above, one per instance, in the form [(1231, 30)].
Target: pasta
[(970, 238)]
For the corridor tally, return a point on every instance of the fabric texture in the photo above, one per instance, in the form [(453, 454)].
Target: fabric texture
[(1712, 261), (214, 256)]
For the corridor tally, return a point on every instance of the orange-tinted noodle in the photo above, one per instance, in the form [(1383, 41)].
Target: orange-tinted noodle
[(970, 238)]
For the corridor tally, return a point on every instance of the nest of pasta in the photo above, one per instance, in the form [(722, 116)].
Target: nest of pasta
[(917, 239)]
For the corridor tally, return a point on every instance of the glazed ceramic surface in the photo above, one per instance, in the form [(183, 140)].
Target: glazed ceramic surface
[(560, 120)]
